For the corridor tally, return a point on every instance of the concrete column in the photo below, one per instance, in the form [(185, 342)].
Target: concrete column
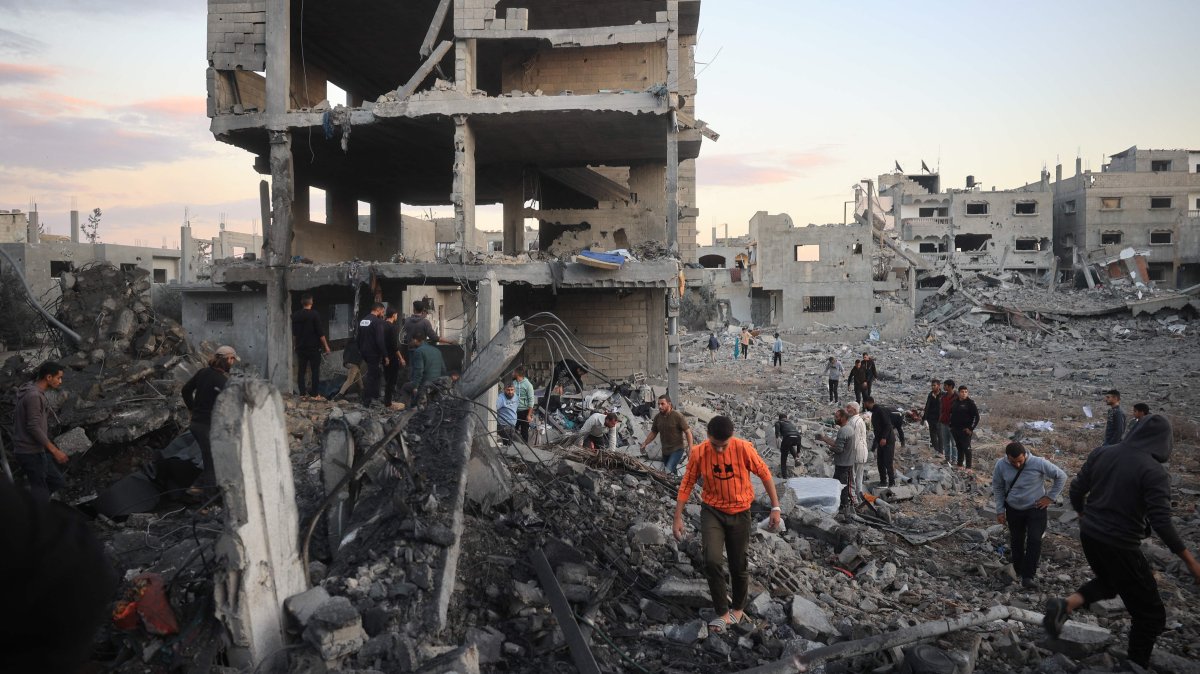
[(464, 65), (514, 202), (463, 194), (279, 61), (278, 249), (31, 228), (74, 226), (258, 553), (488, 321), (187, 255)]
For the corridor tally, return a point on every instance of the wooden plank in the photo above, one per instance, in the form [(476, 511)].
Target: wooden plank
[(581, 653)]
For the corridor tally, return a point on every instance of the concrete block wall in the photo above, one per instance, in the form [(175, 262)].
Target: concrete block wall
[(237, 32), (476, 14), (246, 332), (14, 226), (585, 70)]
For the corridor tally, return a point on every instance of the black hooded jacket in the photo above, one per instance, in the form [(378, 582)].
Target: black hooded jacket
[(1123, 487)]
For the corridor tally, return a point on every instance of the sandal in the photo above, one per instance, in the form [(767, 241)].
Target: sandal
[(717, 625)]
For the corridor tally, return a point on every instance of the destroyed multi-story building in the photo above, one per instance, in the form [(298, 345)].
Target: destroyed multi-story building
[(578, 116), (1147, 200)]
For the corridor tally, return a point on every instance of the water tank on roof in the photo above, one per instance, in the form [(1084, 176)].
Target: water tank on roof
[(970, 182)]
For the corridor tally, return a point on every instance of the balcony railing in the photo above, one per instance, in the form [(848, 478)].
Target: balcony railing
[(909, 222)]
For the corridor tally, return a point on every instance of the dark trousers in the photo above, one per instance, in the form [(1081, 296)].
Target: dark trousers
[(962, 442), (506, 432), (1126, 573), (845, 475), (776, 358), (722, 532), (371, 380), (867, 388), (208, 477), (833, 390), (1026, 528), (308, 363), (859, 392), (935, 437), (789, 445), (42, 473), (391, 373), (884, 456), (523, 424)]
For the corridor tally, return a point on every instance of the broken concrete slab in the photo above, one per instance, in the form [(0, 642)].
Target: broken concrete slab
[(810, 620), (300, 607), (685, 592), (73, 442), (335, 629)]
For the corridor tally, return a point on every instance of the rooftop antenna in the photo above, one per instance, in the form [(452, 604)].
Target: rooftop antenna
[(187, 220)]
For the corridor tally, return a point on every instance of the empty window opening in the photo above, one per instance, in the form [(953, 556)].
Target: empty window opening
[(1028, 244), (1110, 238), (1198, 200), (160, 275), (929, 247), (1069, 207), (712, 261), (496, 246), (1110, 203), (60, 267), (1160, 202), (220, 312), (239, 252), (1158, 271), (977, 208), (442, 249), (931, 282), (1160, 165), (316, 205), (1160, 237), (366, 218), (339, 321), (933, 212), (810, 252), (970, 242), (819, 303), (128, 267), (1025, 208), (879, 310), (856, 249)]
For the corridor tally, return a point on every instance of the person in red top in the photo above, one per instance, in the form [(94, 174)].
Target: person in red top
[(725, 463)]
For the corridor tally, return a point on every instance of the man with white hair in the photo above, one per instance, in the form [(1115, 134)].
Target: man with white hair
[(860, 445)]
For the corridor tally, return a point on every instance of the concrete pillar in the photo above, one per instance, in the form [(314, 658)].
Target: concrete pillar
[(487, 323), (258, 553), (514, 203), (1078, 165), (31, 228), (278, 248), (279, 62), (74, 226), (187, 255), (464, 65), (463, 194)]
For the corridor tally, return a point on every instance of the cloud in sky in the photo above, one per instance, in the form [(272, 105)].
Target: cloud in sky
[(738, 170), (72, 143), (23, 73), (19, 44)]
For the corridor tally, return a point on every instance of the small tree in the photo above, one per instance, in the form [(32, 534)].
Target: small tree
[(92, 229)]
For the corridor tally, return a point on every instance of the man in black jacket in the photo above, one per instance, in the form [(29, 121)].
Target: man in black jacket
[(373, 346), (789, 442), (885, 441), (391, 338), (964, 417), (1119, 490), (199, 396), (933, 410), (308, 333)]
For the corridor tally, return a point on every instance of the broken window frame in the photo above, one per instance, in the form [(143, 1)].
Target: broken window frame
[(1035, 247), (1110, 203), (1111, 238), (807, 247), (218, 312), (1160, 234), (159, 274), (820, 304), (1069, 207), (976, 204), (1019, 204), (1161, 203), (1160, 165), (60, 267)]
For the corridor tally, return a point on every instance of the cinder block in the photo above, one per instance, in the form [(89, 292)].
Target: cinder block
[(659, 17)]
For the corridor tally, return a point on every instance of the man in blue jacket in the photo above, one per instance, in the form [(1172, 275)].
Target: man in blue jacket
[(1120, 489), (1019, 485)]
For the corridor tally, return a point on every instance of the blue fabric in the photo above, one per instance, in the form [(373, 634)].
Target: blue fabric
[(506, 409)]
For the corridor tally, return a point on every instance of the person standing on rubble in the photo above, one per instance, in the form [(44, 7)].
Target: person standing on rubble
[(858, 380), (933, 412), (1120, 490), (947, 438), (506, 413), (1140, 411), (199, 396), (843, 454), (885, 441), (861, 456), (596, 430), (833, 374), (427, 364), (788, 438), (1114, 423), (964, 417), (673, 428), (308, 333), (34, 450), (745, 339), (777, 351), (714, 345), (725, 463), (372, 344), (526, 401), (869, 373), (391, 372), (1019, 486)]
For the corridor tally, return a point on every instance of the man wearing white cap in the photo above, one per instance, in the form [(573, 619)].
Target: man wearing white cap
[(199, 395)]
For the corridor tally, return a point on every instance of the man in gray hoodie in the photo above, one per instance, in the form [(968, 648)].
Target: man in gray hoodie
[(1120, 489), (1019, 485), (31, 433), (843, 455)]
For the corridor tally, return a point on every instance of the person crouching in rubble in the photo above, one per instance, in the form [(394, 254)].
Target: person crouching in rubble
[(595, 431), (1122, 492), (725, 464), (199, 396), (32, 445)]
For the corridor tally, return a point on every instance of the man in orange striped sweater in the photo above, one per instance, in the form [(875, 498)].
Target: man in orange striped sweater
[(724, 463)]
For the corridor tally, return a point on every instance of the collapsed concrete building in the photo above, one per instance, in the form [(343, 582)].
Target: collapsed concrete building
[(1148, 200), (577, 117)]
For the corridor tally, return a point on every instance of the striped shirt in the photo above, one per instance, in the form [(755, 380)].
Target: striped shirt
[(726, 475)]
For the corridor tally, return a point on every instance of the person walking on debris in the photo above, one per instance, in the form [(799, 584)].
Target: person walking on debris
[(869, 373), (427, 364), (725, 464), (1019, 486), (596, 430), (391, 372), (843, 455), (933, 412), (1140, 410), (777, 351), (861, 456), (34, 450), (789, 443), (964, 417), (1120, 490), (199, 396), (885, 441), (308, 333), (352, 361), (714, 345), (674, 429), (1114, 423), (737, 348), (947, 438), (745, 340), (372, 344), (526, 401), (858, 381), (506, 413), (833, 374)]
